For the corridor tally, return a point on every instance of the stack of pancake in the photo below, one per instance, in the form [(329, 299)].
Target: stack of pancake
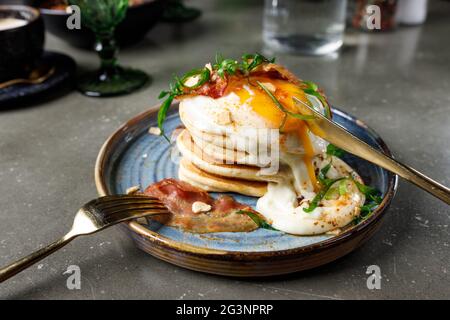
[(219, 162), (228, 145), (211, 167)]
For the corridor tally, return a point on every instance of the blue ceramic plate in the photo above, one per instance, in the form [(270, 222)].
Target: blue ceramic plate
[(133, 157)]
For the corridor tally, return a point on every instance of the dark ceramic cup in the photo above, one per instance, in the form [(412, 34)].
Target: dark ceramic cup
[(21, 46)]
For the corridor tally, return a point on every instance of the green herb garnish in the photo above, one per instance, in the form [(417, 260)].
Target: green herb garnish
[(332, 192), (282, 108), (251, 61), (203, 76), (222, 66), (322, 177), (322, 193), (225, 66), (373, 199), (368, 191), (332, 150), (162, 113), (326, 191), (313, 89), (343, 187), (260, 222), (176, 88)]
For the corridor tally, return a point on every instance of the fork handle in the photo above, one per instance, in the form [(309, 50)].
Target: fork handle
[(18, 266)]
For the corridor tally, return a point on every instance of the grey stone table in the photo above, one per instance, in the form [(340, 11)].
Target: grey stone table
[(399, 83)]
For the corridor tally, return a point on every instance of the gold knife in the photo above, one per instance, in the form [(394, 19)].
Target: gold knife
[(340, 137)]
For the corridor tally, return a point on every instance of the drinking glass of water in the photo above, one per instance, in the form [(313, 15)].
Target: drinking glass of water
[(310, 27)]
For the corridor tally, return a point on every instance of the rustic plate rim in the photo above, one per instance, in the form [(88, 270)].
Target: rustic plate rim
[(167, 243)]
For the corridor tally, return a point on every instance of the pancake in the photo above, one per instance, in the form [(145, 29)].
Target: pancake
[(203, 161), (188, 172), (248, 134), (227, 141), (240, 146)]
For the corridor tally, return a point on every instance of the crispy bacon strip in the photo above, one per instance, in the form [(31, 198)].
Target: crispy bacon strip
[(276, 71), (216, 86), (179, 196)]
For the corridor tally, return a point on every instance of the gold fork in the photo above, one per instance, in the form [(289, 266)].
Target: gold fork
[(35, 77), (94, 216), (337, 135)]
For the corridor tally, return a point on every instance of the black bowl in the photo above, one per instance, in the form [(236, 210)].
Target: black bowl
[(139, 20), (20, 47)]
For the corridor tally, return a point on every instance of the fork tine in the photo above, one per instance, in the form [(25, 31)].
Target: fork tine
[(134, 206), (124, 196), (121, 215), (110, 201), (112, 204)]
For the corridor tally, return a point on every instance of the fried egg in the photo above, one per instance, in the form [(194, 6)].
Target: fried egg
[(246, 106)]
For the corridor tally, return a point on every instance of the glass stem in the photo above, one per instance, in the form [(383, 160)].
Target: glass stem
[(106, 48)]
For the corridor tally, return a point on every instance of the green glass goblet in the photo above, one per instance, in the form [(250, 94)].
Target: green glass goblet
[(102, 17)]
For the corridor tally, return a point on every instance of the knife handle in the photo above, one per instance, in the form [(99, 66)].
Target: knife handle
[(412, 175), (342, 138), (365, 151)]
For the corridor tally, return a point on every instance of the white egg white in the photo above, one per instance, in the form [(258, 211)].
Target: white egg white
[(282, 206), (230, 117)]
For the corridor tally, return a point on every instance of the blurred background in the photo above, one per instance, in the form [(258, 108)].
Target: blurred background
[(190, 31), (394, 77)]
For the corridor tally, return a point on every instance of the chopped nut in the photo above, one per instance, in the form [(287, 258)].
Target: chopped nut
[(133, 190), (192, 81), (335, 232), (223, 117), (155, 130), (199, 206), (269, 86), (209, 67)]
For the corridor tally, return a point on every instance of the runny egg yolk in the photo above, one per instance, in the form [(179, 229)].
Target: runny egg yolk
[(263, 105)]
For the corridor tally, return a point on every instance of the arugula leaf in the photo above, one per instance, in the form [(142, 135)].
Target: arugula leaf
[(225, 66), (163, 94), (260, 222), (251, 61), (343, 187), (222, 66), (176, 88), (218, 58), (322, 177), (373, 199), (332, 150), (321, 194), (327, 191), (162, 114), (204, 75), (331, 193), (368, 191), (313, 89), (281, 107)]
